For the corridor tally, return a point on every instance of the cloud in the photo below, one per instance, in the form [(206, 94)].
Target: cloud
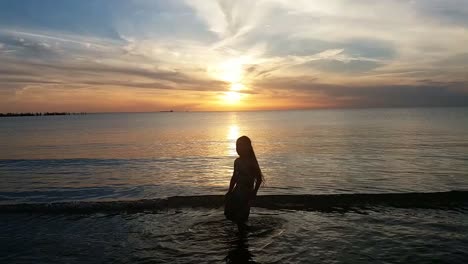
[(40, 57), (426, 93), (228, 19), (341, 52), (452, 12), (337, 66), (92, 74)]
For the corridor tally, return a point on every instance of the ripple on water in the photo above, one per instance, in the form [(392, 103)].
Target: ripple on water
[(204, 236)]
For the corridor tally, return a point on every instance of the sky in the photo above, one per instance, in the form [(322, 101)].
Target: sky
[(204, 55)]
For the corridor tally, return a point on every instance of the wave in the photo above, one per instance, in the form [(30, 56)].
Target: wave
[(325, 202)]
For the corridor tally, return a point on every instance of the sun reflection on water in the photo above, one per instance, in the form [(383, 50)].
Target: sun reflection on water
[(232, 135)]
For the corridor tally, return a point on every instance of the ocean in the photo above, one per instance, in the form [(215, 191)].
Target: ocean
[(355, 185)]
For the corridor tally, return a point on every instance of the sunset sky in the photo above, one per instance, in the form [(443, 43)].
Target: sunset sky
[(202, 55)]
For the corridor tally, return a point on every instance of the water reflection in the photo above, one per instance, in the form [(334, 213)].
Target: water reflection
[(232, 135), (239, 252)]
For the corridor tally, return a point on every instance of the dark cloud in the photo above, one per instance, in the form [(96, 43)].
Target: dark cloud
[(94, 74), (261, 71), (369, 48), (419, 95), (50, 48), (37, 61), (13, 72), (26, 80), (26, 47), (459, 60), (453, 12), (279, 46), (343, 67), (365, 48)]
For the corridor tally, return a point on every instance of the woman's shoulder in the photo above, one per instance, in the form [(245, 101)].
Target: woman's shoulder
[(241, 163), (239, 160)]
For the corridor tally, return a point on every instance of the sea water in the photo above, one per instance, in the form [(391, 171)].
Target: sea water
[(133, 156)]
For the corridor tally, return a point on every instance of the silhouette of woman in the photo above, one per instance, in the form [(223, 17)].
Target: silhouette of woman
[(245, 182)]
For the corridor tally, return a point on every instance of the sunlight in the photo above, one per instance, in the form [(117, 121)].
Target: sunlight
[(232, 136), (232, 97), (233, 132), (232, 70), (237, 86)]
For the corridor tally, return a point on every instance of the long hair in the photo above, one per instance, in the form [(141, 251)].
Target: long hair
[(245, 150)]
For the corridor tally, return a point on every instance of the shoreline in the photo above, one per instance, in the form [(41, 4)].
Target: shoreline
[(310, 202), (40, 114)]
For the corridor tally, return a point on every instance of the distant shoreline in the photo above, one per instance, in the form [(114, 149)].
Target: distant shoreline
[(40, 114), (228, 111)]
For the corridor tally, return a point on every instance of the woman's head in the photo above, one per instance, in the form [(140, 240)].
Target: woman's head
[(244, 147), (245, 150)]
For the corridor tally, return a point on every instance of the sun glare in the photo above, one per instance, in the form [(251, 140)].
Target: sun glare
[(232, 97), (233, 133), (232, 72), (237, 86)]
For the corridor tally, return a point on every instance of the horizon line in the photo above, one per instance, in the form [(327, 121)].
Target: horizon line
[(227, 111)]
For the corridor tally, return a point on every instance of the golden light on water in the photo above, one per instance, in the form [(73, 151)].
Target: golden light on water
[(233, 132)]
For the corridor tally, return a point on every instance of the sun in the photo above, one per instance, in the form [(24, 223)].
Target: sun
[(237, 86), (232, 97), (232, 72)]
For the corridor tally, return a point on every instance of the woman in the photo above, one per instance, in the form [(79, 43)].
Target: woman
[(245, 182)]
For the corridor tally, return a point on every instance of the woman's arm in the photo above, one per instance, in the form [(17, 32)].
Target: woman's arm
[(258, 182), (234, 177)]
